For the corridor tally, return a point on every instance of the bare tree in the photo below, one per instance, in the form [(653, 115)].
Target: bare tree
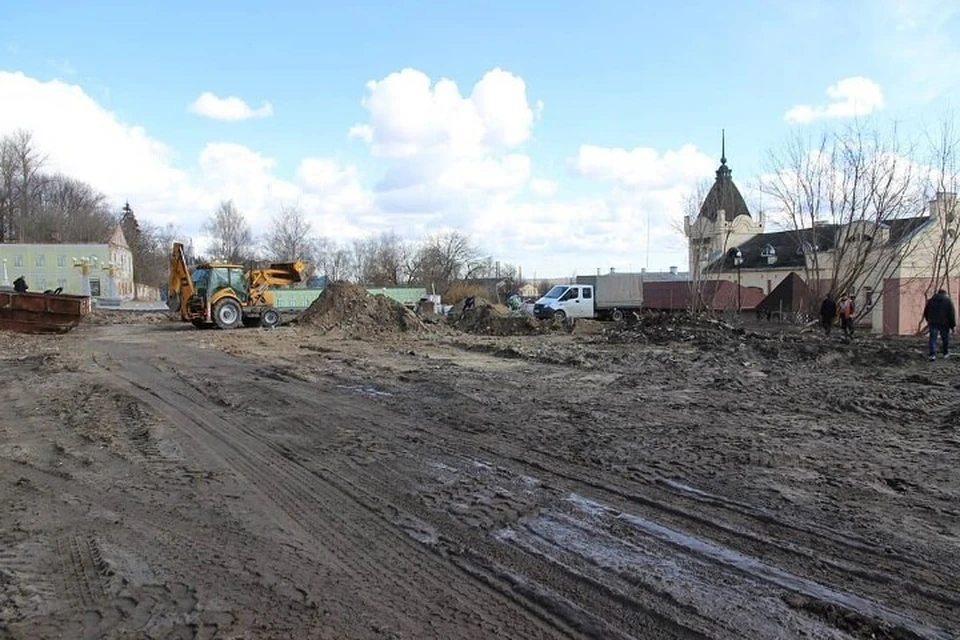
[(290, 237), (230, 233), (333, 260), (443, 258), (840, 194), (66, 210), (943, 187), (20, 179), (382, 261), (154, 246), (692, 203)]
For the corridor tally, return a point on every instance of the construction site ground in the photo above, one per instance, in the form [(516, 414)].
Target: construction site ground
[(159, 481)]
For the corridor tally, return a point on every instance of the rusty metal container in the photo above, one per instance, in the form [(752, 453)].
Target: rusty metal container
[(42, 313)]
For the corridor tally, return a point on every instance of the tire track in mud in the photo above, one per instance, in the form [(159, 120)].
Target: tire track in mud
[(826, 557), (313, 509), (559, 591), (82, 569), (803, 550)]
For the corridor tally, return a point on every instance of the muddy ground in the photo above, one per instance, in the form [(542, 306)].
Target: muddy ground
[(157, 481)]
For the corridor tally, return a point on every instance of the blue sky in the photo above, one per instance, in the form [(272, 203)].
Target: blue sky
[(611, 74)]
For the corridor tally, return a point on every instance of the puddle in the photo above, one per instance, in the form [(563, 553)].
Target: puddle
[(365, 391)]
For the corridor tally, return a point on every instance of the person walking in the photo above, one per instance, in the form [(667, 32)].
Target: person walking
[(828, 311), (941, 319), (846, 310)]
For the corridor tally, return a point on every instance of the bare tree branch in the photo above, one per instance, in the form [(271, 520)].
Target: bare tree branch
[(231, 237)]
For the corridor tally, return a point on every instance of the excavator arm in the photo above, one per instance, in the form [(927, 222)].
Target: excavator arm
[(180, 286), (279, 274)]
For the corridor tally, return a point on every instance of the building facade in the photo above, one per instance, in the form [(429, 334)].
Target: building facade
[(52, 266), (899, 263)]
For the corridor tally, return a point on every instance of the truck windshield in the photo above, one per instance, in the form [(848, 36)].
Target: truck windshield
[(556, 292)]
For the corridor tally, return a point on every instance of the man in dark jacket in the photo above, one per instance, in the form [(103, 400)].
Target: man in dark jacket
[(828, 311), (20, 285), (941, 318)]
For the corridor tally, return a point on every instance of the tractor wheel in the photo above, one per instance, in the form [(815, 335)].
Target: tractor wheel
[(226, 314), (269, 319)]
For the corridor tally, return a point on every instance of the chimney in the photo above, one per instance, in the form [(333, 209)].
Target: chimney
[(673, 271)]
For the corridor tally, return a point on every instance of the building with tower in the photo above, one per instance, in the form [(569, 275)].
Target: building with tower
[(903, 261)]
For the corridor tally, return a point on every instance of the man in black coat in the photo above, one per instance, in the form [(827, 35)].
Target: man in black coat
[(941, 319), (20, 285), (828, 311)]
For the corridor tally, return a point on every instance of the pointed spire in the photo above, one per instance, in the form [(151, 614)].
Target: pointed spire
[(723, 171)]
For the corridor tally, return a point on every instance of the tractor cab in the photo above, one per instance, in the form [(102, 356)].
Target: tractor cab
[(210, 278)]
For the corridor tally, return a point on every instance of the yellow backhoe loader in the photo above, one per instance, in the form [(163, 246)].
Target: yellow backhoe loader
[(226, 295)]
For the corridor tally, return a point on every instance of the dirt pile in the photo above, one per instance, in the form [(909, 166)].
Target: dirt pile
[(663, 328), (486, 319), (350, 308)]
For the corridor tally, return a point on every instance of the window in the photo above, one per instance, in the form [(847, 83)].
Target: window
[(572, 294), (587, 294), (62, 283), (868, 293), (40, 261), (61, 261), (95, 287), (43, 284), (18, 261), (238, 283)]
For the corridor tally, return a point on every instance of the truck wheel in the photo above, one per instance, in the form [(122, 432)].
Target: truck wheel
[(270, 319), (560, 315), (226, 314), (616, 315)]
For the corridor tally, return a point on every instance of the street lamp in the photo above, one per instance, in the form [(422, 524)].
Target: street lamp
[(85, 263), (111, 268), (738, 263)]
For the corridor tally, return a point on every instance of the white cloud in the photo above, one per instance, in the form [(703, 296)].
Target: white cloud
[(855, 96), (544, 187), (410, 116), (463, 167), (643, 167), (82, 139), (229, 109), (446, 151)]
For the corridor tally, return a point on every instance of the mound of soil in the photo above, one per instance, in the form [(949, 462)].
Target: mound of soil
[(486, 319), (350, 308), (662, 328)]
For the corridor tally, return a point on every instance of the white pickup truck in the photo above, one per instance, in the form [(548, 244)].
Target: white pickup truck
[(610, 297)]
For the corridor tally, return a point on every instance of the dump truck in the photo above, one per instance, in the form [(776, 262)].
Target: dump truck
[(227, 296)]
